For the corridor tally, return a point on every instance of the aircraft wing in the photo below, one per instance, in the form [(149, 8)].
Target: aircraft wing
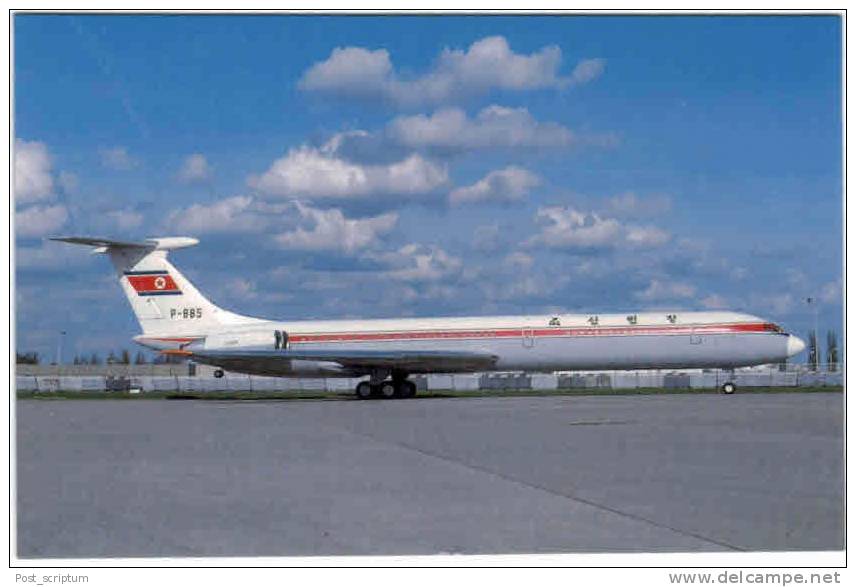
[(411, 361)]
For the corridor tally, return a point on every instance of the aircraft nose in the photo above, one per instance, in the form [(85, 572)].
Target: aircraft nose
[(795, 345)]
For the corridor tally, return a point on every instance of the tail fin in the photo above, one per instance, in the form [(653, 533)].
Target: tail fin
[(164, 301)]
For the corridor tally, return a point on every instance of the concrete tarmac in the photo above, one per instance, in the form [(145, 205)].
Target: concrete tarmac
[(110, 478)]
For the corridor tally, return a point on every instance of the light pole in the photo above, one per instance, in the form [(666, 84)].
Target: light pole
[(59, 347), (812, 301)]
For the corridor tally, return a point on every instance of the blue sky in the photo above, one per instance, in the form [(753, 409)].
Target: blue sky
[(386, 166)]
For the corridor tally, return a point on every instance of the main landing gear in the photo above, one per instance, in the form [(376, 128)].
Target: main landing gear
[(399, 387)]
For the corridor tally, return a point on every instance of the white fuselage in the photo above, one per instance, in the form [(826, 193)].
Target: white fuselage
[(521, 343), (174, 316)]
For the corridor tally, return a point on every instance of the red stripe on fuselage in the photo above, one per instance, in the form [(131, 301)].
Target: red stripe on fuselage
[(556, 331)]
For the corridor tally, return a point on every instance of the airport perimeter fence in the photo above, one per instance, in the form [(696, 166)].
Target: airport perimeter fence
[(112, 369), (602, 380)]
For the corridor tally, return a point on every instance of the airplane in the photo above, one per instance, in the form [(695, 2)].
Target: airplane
[(176, 318)]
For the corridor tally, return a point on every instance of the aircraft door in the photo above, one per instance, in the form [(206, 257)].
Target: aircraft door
[(280, 339), (528, 338)]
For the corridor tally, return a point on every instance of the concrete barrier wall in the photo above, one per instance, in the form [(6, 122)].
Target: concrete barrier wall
[(460, 382), (150, 369)]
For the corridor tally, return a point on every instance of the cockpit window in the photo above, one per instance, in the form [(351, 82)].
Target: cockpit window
[(775, 328)]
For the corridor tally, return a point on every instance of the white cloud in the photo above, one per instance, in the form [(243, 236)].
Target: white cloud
[(68, 181), (350, 70), (235, 214), (486, 237), (321, 173), (420, 263), (33, 179), (49, 255), (646, 236), (629, 205), (518, 260), (659, 290), (240, 288), (524, 286), (493, 127), (330, 230), (587, 70), (830, 293), (503, 185), (795, 277), (487, 64), (195, 168), (36, 221), (117, 158), (776, 304), (126, 219), (301, 227), (565, 228)]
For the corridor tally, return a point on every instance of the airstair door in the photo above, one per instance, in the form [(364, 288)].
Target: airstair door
[(528, 338)]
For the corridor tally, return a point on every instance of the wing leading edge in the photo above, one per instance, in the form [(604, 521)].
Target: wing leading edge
[(359, 360)]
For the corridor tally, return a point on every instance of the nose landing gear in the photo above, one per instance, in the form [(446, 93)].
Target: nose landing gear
[(728, 388)]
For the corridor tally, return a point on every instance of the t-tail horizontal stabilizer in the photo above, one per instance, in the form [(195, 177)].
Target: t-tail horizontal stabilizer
[(155, 244)]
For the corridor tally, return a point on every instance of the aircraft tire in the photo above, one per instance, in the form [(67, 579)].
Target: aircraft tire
[(218, 373), (728, 388), (388, 390), (364, 390), (409, 389), (404, 389)]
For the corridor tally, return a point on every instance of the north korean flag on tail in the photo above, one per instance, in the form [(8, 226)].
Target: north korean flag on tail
[(152, 283)]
